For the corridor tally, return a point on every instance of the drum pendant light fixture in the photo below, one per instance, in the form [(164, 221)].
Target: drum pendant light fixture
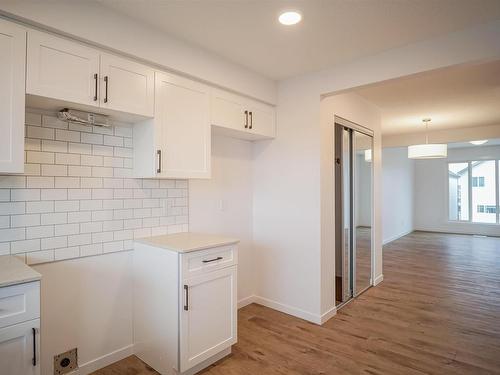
[(428, 150)]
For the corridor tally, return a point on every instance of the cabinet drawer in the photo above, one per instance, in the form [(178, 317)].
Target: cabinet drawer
[(202, 261), (19, 303)]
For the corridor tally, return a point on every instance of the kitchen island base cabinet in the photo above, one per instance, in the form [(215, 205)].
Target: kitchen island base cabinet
[(185, 307)]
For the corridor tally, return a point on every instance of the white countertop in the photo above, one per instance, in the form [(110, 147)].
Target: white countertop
[(13, 271), (188, 241)]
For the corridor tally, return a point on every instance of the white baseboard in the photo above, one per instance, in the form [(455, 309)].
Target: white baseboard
[(397, 236), (328, 315), (105, 360), (306, 315), (378, 279), (246, 301), (310, 317)]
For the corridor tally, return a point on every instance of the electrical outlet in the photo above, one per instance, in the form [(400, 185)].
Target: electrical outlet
[(66, 362)]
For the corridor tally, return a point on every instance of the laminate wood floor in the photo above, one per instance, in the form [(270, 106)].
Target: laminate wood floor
[(437, 312)]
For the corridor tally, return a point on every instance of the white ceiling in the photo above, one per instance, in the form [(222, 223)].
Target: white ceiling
[(457, 97), (332, 31)]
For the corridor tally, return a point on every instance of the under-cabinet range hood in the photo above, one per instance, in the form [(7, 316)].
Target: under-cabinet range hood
[(84, 118)]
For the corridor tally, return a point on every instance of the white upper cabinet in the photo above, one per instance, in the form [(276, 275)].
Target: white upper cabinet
[(240, 117), (126, 86), (177, 142), (12, 97), (68, 71), (60, 69), (183, 123)]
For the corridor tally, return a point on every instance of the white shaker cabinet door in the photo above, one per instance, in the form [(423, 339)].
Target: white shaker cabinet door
[(126, 86), (228, 111), (182, 126), (61, 69), (20, 349), (12, 97), (208, 316), (262, 120)]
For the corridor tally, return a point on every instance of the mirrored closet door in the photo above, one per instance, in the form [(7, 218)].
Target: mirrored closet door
[(353, 210)]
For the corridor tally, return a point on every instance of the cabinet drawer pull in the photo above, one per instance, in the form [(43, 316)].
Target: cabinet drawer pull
[(33, 361), (251, 119), (246, 119), (186, 302), (106, 89), (95, 79), (212, 260), (158, 153)]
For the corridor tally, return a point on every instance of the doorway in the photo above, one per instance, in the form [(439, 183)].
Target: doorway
[(353, 210)]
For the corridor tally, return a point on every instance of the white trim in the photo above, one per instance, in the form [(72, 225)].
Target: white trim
[(246, 301), (328, 315), (397, 236), (105, 360), (306, 315), (378, 279)]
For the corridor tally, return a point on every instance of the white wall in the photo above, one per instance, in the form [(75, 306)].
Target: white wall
[(286, 205), (224, 203), (87, 303), (431, 192), (398, 181), (93, 22)]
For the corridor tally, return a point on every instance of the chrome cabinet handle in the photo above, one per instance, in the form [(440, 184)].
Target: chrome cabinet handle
[(251, 119), (158, 153), (106, 79), (186, 303), (212, 260), (33, 361), (95, 79), (246, 119)]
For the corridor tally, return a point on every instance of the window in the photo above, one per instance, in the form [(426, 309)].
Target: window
[(458, 182), (473, 191), (490, 209), (477, 181)]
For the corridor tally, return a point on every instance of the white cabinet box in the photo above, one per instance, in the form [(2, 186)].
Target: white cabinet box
[(12, 98), (176, 143), (73, 73), (237, 116), (185, 301)]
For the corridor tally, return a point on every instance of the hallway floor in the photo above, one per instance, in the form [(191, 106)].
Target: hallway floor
[(437, 312)]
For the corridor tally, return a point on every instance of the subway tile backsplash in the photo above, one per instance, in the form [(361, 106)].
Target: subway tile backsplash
[(77, 196)]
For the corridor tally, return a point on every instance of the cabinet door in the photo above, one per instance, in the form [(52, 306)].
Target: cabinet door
[(262, 121), (126, 86), (182, 124), (12, 97), (60, 69), (208, 316), (18, 355), (227, 111)]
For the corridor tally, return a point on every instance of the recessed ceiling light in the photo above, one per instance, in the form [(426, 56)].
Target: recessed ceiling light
[(479, 143), (290, 18)]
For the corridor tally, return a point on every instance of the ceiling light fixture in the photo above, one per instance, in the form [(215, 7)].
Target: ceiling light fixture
[(290, 18), (479, 143), (428, 150)]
